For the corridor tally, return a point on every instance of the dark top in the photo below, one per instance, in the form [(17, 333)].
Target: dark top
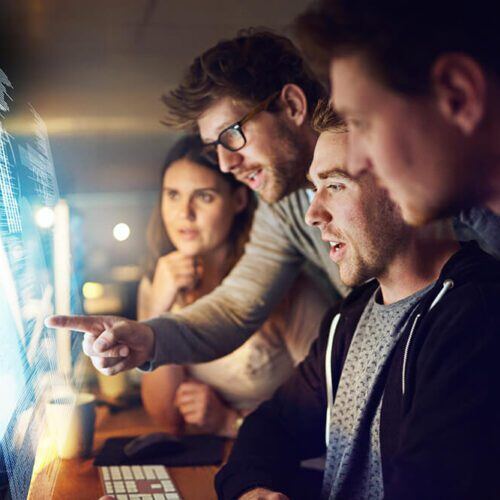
[(438, 439)]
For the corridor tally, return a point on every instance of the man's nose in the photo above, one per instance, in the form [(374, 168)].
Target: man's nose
[(316, 214), (228, 160)]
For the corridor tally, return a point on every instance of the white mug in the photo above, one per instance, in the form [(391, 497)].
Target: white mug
[(71, 421)]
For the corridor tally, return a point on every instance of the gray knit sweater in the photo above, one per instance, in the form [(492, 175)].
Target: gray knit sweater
[(280, 244)]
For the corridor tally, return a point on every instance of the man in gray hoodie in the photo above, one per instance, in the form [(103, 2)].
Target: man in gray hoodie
[(251, 98)]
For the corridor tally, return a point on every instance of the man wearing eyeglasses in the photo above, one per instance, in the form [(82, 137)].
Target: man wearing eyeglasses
[(252, 99)]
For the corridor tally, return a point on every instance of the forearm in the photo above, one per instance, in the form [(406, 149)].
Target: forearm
[(158, 390)]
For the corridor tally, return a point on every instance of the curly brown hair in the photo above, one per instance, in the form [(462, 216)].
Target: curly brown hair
[(248, 68)]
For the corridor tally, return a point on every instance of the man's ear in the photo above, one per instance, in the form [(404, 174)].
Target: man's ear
[(240, 197), (294, 103), (459, 85)]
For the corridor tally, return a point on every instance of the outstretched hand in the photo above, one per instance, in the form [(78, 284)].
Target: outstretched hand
[(113, 344)]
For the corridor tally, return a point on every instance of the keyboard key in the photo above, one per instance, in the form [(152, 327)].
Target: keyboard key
[(108, 487), (155, 486), (159, 496), (105, 473), (149, 472), (121, 497), (131, 486), (137, 472), (173, 496), (161, 472), (115, 472), (119, 487), (168, 486), (126, 472), (141, 497)]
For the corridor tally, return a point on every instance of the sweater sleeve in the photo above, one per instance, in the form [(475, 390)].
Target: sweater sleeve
[(449, 444), (221, 321), (282, 431)]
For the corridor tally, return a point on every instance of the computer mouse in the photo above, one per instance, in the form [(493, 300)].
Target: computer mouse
[(151, 445)]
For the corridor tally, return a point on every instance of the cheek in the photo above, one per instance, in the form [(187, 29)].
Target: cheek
[(167, 218), (388, 152), (216, 223), (394, 162), (344, 215), (351, 216)]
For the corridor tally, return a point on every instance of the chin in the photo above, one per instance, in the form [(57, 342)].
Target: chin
[(415, 215), (274, 193), (189, 250), (350, 278), (360, 272), (270, 196)]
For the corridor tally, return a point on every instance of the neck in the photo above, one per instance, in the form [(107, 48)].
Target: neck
[(215, 267), (416, 266)]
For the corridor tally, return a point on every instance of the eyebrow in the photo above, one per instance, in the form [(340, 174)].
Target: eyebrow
[(335, 172), (207, 142), (208, 188)]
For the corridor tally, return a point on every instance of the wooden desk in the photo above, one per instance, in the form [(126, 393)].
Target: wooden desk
[(78, 479)]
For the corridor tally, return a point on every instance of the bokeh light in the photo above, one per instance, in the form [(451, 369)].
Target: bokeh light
[(44, 217), (121, 231)]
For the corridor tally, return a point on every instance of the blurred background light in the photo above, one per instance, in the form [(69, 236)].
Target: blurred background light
[(121, 232), (44, 217), (92, 290)]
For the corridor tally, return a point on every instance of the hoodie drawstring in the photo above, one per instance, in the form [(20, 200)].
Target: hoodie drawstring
[(448, 284), (328, 373)]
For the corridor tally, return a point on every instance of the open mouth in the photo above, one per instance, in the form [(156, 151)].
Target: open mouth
[(337, 250), (336, 245), (254, 179)]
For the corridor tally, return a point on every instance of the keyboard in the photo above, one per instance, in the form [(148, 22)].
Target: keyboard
[(138, 482)]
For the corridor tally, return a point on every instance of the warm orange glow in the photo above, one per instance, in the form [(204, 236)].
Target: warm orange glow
[(91, 125)]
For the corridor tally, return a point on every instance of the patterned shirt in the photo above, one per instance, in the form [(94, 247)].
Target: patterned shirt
[(353, 466)]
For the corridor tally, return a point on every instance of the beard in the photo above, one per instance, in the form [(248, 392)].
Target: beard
[(382, 234), (286, 170)]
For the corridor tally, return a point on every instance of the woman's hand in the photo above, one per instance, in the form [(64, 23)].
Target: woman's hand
[(200, 406), (174, 272)]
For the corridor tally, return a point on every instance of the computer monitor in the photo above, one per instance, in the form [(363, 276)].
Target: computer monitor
[(32, 360)]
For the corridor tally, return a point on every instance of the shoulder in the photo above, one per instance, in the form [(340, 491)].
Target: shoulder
[(145, 286), (463, 328), (291, 207)]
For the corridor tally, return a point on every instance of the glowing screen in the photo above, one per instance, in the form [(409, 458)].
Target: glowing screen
[(28, 362)]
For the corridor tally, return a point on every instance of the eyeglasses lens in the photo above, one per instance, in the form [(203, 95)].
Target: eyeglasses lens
[(232, 139)]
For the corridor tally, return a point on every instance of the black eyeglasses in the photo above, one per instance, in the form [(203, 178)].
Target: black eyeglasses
[(232, 138)]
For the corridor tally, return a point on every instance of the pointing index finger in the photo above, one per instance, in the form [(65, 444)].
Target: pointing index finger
[(86, 324)]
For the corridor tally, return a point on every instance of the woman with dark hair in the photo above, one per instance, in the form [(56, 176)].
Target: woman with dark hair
[(195, 236)]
